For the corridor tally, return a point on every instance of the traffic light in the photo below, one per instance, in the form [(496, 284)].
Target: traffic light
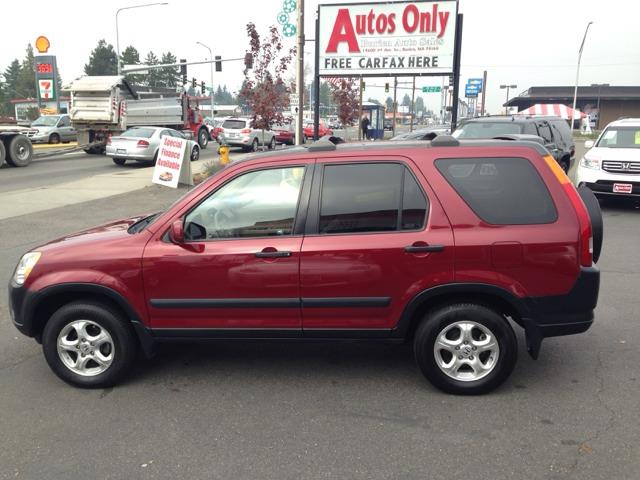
[(386, 87), (218, 63), (451, 80), (183, 70), (248, 60), (362, 85), (194, 82), (202, 87)]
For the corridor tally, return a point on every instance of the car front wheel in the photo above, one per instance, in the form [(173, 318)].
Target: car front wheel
[(195, 153), (465, 349), (203, 138), (89, 345)]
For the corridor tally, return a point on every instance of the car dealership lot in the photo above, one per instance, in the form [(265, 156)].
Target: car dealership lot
[(255, 410)]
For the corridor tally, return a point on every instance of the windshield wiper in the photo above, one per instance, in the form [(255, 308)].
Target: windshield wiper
[(142, 223)]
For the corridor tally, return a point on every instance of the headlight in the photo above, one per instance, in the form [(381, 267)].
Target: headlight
[(590, 163), (26, 264)]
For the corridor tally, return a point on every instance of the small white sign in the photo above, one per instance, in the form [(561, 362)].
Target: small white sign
[(46, 89), (171, 168)]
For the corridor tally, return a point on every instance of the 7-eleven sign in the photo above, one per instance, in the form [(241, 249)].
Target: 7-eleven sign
[(46, 89)]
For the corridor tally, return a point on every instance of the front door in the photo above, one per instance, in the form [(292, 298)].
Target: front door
[(238, 268), (376, 236)]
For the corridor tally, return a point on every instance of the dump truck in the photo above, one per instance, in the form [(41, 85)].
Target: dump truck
[(15, 146), (105, 106)]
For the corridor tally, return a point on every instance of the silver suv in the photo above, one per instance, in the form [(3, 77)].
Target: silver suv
[(52, 129), (237, 132)]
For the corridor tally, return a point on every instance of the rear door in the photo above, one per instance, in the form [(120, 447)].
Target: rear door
[(376, 235)]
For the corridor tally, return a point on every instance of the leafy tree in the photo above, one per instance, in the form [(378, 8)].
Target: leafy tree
[(264, 89), (169, 76), (419, 105), (26, 82), (406, 100), (131, 56), (389, 103), (347, 98), (103, 60), (154, 77)]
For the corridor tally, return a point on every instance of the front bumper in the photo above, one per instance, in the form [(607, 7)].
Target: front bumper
[(567, 314), (18, 299), (601, 182)]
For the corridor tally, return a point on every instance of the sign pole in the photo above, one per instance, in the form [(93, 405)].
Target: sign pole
[(316, 112), (456, 72), (300, 73), (395, 104), (360, 111), (413, 95), (484, 92)]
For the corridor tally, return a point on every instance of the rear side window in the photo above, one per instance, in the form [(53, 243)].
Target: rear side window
[(545, 132), (234, 124), (500, 191), (379, 197)]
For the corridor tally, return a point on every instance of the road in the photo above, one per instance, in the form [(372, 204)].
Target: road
[(343, 410)]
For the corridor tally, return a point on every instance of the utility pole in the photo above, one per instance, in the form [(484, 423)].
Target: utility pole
[(395, 104), (360, 112), (300, 74), (484, 92), (413, 95)]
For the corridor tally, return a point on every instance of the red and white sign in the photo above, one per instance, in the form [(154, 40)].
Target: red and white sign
[(398, 38), (46, 88), (171, 168), (622, 188)]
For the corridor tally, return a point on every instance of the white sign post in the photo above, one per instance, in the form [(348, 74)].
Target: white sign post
[(395, 38), (173, 165)]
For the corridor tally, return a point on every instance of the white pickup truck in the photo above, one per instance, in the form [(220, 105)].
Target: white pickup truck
[(15, 147)]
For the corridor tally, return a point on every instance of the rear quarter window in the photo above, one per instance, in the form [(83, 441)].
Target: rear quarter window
[(500, 191)]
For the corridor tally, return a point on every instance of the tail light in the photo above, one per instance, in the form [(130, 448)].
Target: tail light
[(142, 144), (245, 130), (586, 233)]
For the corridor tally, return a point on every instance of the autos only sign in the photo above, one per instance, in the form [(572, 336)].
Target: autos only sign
[(397, 38), (171, 168)]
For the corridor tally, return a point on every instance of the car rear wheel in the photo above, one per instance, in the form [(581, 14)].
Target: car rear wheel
[(465, 349), (19, 151), (254, 145), (89, 345), (54, 138), (203, 138), (119, 161)]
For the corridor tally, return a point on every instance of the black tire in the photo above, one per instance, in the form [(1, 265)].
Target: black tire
[(123, 346), (3, 152), (54, 138), (254, 145), (195, 153), (203, 138), (272, 143), (595, 214), (19, 151), (436, 321), (119, 161), (565, 164)]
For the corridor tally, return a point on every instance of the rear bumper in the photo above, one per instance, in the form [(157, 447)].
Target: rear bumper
[(567, 314)]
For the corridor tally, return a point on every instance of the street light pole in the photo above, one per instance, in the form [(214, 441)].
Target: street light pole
[(118, 32), (575, 91), (211, 65)]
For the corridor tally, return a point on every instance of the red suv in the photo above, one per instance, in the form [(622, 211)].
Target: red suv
[(445, 244)]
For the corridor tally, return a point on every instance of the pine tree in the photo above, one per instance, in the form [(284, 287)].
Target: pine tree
[(11, 75), (169, 76), (130, 56), (154, 77), (419, 106), (103, 60), (26, 82), (406, 100), (389, 104)]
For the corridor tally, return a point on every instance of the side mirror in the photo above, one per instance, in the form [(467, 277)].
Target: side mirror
[(588, 144), (177, 232)]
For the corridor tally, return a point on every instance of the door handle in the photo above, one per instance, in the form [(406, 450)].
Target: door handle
[(273, 254), (423, 248)]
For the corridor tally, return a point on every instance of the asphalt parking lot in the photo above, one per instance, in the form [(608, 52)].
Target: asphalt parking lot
[(342, 410)]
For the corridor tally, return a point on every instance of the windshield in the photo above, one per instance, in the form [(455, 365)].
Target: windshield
[(50, 121), (620, 137), (486, 129), (234, 124), (138, 132)]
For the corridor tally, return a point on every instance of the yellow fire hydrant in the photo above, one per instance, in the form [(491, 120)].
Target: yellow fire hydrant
[(223, 150)]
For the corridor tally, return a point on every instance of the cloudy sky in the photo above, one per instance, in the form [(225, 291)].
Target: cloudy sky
[(522, 43)]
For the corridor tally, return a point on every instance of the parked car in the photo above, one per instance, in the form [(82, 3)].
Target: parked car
[(238, 132), (323, 129), (387, 124), (422, 134), (214, 126), (52, 129), (335, 125), (553, 130), (142, 144), (285, 133), (612, 164), (444, 247)]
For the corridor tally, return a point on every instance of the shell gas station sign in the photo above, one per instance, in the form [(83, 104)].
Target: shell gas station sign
[(394, 38), (46, 77)]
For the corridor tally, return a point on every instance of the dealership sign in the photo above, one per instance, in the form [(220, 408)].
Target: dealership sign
[(171, 167), (397, 38)]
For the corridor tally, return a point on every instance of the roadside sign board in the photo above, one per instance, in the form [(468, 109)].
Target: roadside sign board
[(171, 167), (476, 82), (431, 89), (45, 88), (394, 38)]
